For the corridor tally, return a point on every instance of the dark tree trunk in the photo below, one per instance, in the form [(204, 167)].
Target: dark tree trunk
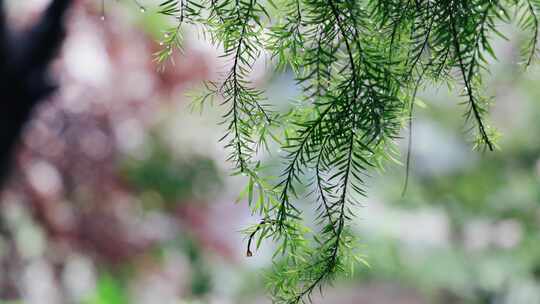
[(24, 77)]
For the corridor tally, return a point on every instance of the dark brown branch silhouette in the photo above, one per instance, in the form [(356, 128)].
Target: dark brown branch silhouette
[(24, 78)]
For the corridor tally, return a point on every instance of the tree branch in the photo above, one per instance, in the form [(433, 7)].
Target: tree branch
[(24, 77)]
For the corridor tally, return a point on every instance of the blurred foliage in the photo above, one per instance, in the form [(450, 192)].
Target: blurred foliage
[(108, 291), (173, 178)]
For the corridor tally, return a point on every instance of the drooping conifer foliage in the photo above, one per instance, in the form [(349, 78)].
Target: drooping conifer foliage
[(359, 64)]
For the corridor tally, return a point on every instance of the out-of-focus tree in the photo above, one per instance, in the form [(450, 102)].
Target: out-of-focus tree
[(24, 77)]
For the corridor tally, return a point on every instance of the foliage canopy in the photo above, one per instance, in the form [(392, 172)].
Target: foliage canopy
[(359, 64)]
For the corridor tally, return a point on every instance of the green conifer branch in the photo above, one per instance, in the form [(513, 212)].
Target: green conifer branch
[(359, 64)]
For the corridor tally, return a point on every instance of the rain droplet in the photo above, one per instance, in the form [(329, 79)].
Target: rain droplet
[(142, 9), (102, 17)]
